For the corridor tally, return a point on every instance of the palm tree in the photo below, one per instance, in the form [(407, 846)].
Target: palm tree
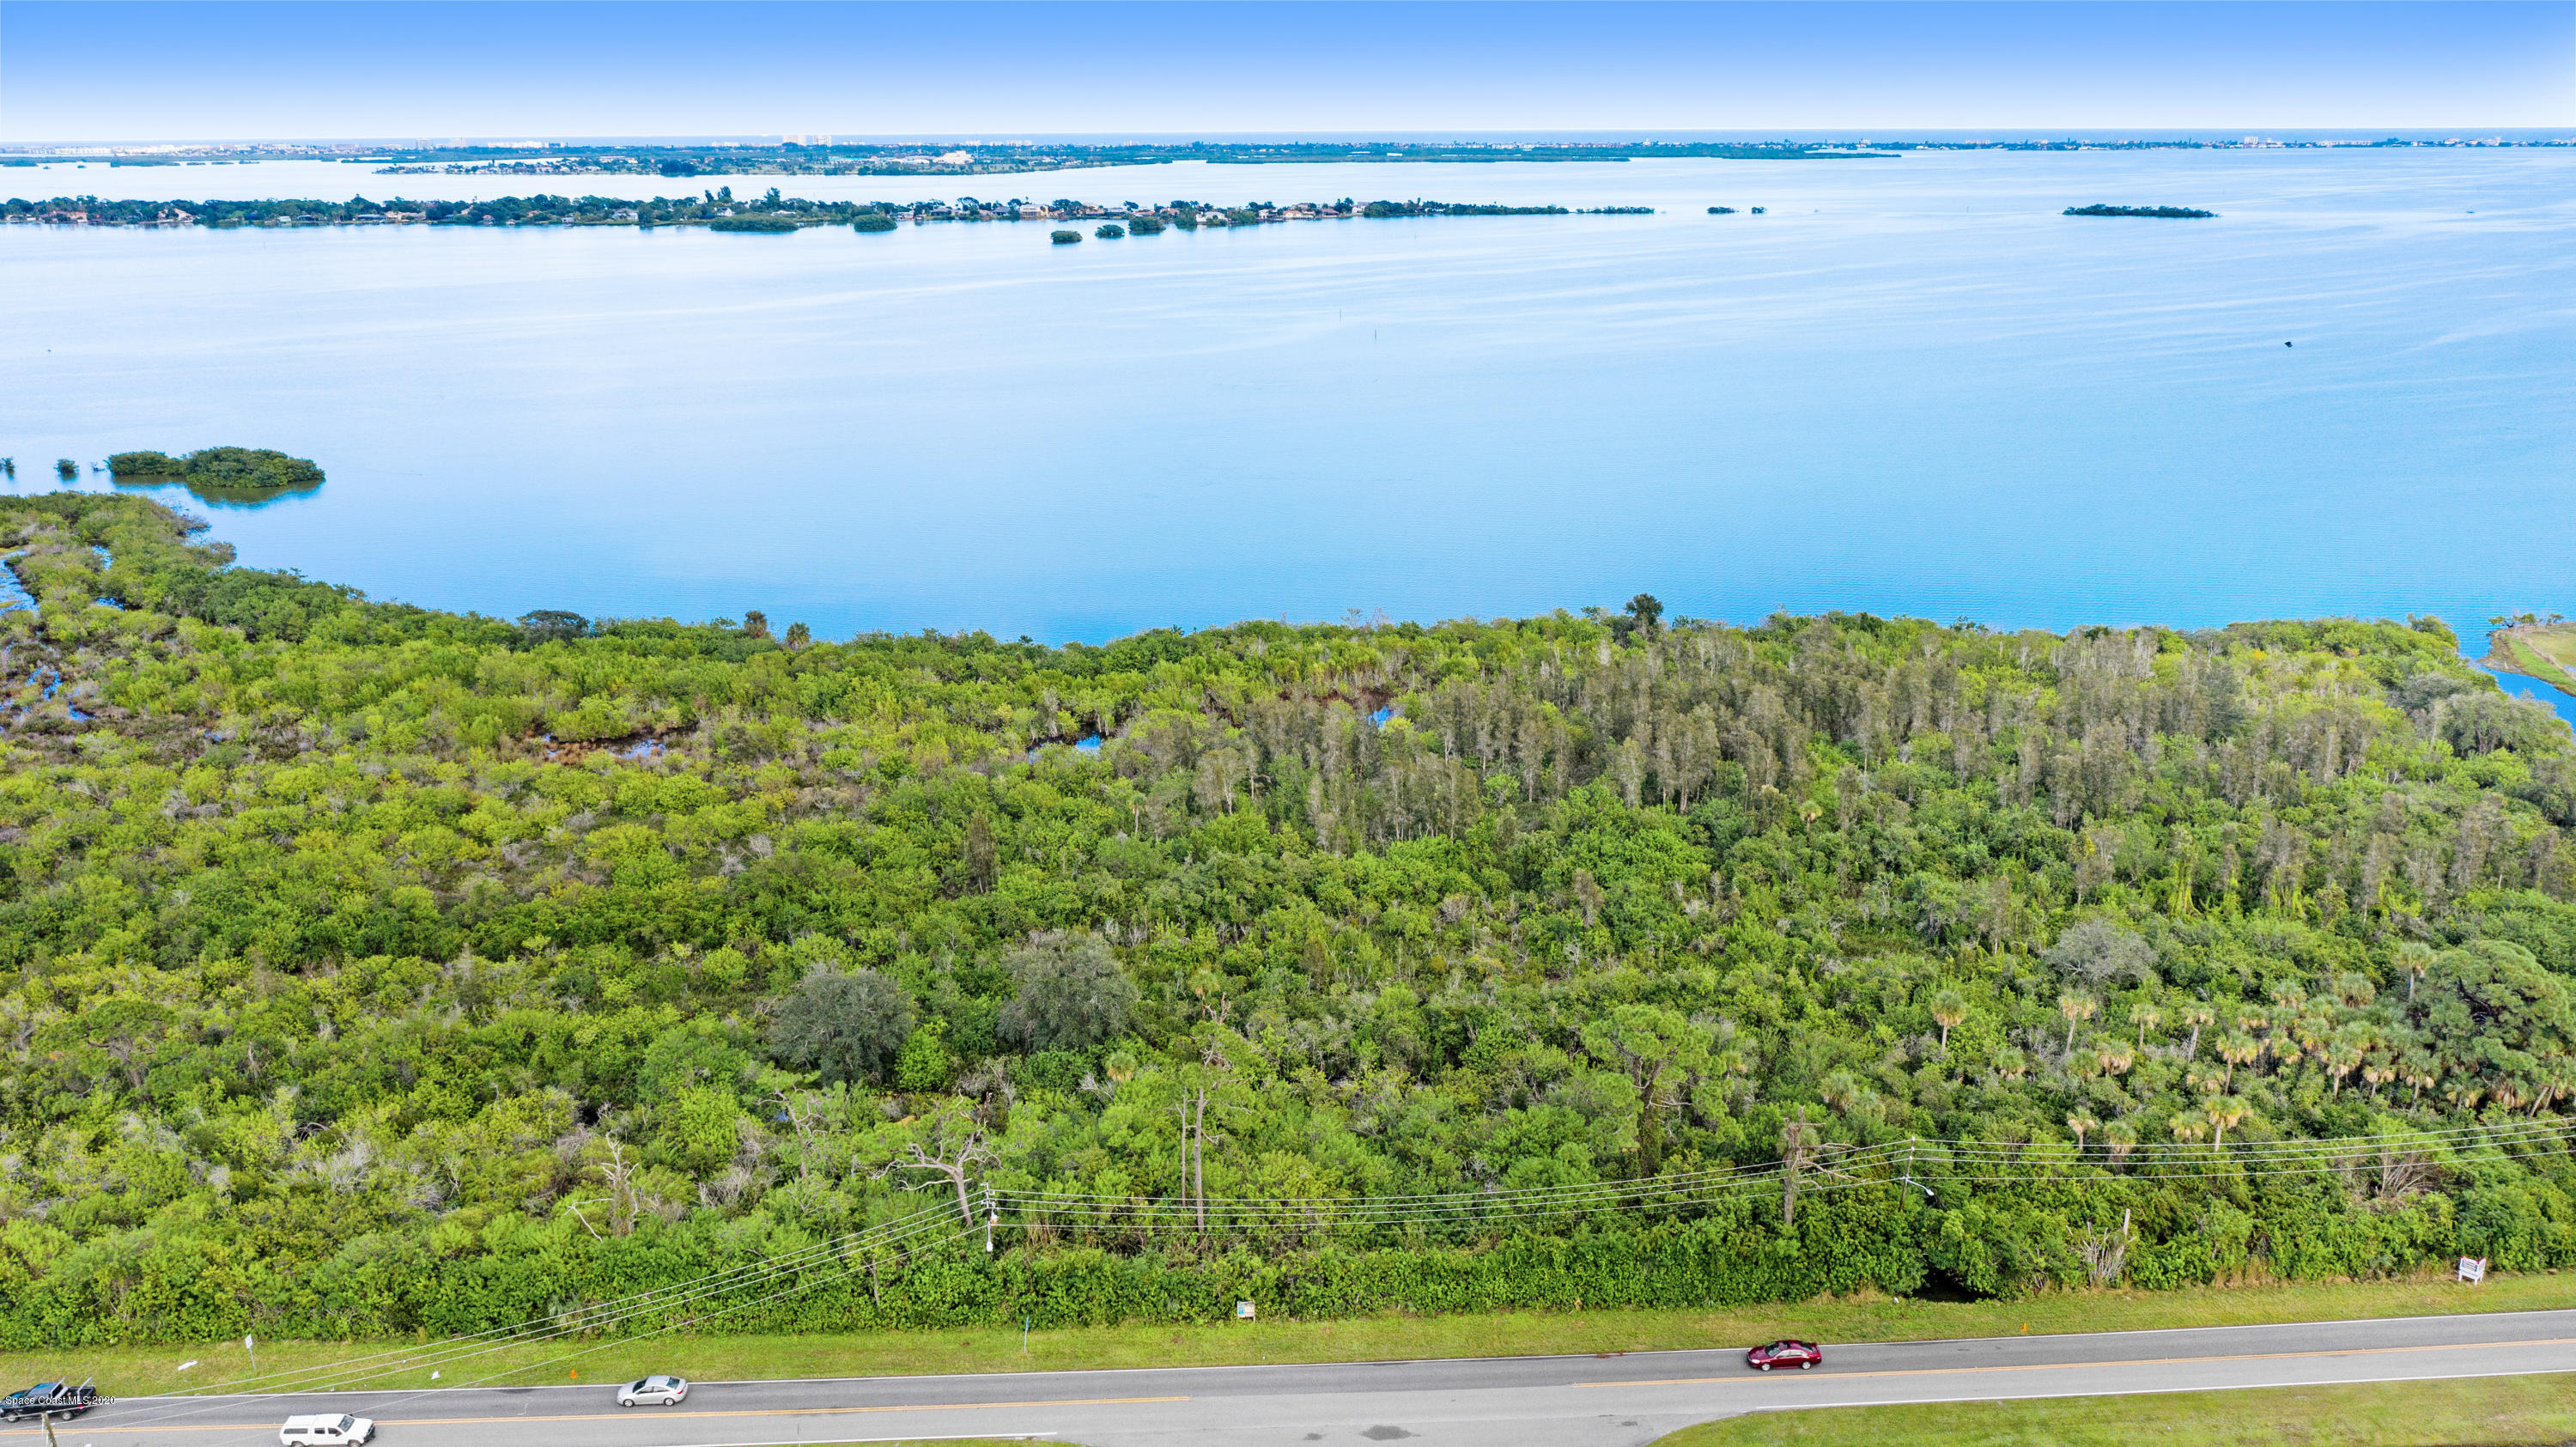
[(2081, 1122), (2147, 1017), (2320, 1019), (2414, 957), (2420, 1070), (2223, 1113), (2377, 1070), (2122, 1137), (2237, 1048), (2344, 1053), (1949, 1008), (2199, 1018), (2355, 989), (2075, 1006), (2010, 1063)]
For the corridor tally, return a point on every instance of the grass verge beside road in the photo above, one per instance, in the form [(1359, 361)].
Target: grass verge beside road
[(2476, 1412), (139, 1371)]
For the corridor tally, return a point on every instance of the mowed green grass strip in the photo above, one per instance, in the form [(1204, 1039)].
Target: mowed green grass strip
[(2475, 1412), (138, 1371), (2558, 645), (2534, 662)]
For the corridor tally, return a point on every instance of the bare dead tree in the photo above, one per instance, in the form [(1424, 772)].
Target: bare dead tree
[(618, 1174), (948, 1157), (802, 1117)]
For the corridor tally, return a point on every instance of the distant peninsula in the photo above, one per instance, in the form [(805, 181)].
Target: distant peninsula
[(718, 210), (2167, 213), (2535, 647)]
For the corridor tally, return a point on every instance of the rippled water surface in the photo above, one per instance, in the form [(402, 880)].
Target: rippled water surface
[(1912, 386)]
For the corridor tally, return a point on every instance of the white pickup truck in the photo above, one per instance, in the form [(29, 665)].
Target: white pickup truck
[(326, 1430)]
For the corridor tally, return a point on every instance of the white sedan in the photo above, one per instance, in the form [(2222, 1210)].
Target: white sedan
[(653, 1392)]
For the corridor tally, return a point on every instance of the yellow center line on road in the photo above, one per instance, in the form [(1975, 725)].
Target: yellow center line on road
[(2141, 1362), (630, 1416)]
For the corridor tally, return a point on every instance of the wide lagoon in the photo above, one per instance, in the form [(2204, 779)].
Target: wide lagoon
[(1912, 386)]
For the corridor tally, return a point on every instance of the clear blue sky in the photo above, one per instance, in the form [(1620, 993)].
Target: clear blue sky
[(352, 68)]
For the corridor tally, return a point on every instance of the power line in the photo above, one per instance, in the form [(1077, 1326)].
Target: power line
[(343, 1375), (1843, 1168)]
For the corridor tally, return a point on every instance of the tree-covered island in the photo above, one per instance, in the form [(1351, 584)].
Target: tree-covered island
[(2168, 213), (373, 970), (220, 473)]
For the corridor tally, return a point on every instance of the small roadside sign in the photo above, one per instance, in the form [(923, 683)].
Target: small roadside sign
[(2473, 1269), (1243, 1311)]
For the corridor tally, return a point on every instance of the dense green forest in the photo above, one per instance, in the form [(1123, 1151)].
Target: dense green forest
[(371, 969)]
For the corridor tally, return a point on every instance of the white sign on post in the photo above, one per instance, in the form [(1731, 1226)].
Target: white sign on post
[(1243, 1311), (2473, 1269)]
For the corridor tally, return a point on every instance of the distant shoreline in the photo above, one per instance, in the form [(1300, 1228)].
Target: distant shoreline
[(820, 156), (719, 210), (925, 156)]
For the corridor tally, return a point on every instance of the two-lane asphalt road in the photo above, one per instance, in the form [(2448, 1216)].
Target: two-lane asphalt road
[(1487, 1402)]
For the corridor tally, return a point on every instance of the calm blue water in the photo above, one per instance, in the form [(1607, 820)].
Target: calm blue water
[(1911, 387)]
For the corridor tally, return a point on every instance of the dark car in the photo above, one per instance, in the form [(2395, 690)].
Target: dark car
[(1800, 1354), (60, 1398)]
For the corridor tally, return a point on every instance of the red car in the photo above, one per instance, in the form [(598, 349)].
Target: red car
[(1800, 1354)]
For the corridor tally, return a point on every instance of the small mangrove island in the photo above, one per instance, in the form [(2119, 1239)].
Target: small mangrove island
[(219, 474), (2168, 213)]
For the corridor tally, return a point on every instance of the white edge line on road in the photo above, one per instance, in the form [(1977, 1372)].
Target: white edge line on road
[(1999, 1368), (2146, 1391), (1028, 1436), (808, 1441), (1429, 1361), (1693, 1351)]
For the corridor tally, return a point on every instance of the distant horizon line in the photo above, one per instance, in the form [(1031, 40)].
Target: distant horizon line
[(1530, 135)]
